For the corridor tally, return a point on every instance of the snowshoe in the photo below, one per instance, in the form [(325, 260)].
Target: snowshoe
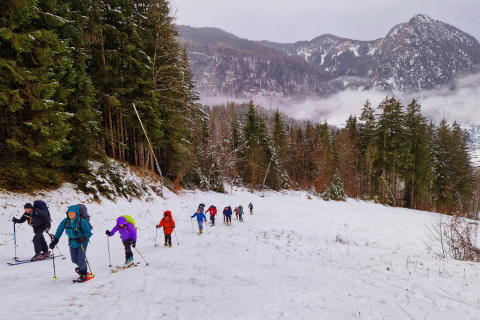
[(84, 278)]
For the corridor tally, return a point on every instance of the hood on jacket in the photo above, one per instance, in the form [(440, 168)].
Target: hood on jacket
[(167, 214), (75, 208), (121, 221)]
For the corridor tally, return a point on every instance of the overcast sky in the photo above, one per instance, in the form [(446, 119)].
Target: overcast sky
[(296, 20)]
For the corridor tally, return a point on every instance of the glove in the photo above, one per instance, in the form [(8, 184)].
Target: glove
[(82, 239), (53, 243), (205, 220), (157, 226), (134, 244), (15, 220), (107, 232), (173, 227), (191, 217)]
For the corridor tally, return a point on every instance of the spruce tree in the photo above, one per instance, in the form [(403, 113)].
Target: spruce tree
[(34, 124), (417, 160)]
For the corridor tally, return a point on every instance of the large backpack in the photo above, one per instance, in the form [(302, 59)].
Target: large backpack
[(83, 215), (39, 204), (130, 220)]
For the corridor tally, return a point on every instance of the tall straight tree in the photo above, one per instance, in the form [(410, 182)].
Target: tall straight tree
[(77, 29), (418, 161), (368, 148), (391, 147)]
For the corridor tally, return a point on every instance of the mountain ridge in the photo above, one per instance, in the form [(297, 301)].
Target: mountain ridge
[(419, 54)]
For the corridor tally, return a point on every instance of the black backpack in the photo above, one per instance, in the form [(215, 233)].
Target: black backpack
[(39, 204), (83, 215)]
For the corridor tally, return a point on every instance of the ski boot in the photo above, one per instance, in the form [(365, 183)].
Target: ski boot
[(37, 256)]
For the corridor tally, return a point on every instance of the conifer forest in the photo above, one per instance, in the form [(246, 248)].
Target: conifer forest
[(71, 72)]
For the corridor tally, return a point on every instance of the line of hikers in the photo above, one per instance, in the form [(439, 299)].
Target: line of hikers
[(77, 226), (227, 215)]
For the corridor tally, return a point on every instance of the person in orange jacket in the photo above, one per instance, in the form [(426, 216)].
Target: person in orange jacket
[(168, 225)]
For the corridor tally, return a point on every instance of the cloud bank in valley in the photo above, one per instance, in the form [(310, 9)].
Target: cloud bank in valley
[(459, 103)]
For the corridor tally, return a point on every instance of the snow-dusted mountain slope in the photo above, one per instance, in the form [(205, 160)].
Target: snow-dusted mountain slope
[(294, 258), (420, 54)]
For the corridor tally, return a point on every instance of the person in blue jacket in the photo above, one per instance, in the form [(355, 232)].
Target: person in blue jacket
[(200, 218), (229, 215), (78, 232)]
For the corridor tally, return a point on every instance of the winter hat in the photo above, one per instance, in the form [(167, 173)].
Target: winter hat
[(28, 205), (121, 221), (75, 208)]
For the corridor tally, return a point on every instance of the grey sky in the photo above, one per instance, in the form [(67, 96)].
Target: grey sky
[(296, 20)]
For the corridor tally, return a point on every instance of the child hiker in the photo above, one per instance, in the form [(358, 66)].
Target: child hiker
[(78, 232), (200, 219), (128, 234), (168, 225)]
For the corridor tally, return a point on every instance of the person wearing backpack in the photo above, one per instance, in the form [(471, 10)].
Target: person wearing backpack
[(79, 232), (168, 225), (200, 219), (240, 213), (227, 213), (128, 234), (250, 206), (40, 222), (213, 211)]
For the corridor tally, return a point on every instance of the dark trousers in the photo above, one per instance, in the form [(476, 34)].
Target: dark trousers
[(39, 243), (212, 218), (128, 250), (168, 239), (229, 219), (240, 217), (79, 258)]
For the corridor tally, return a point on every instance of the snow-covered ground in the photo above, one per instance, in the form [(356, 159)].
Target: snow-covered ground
[(294, 258)]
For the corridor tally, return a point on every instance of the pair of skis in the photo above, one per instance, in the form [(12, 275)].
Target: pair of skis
[(119, 268), (17, 262)]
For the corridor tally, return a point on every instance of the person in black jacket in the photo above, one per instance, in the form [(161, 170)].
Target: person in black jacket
[(40, 221)]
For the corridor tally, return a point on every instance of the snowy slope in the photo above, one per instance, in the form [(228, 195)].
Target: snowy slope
[(295, 258)]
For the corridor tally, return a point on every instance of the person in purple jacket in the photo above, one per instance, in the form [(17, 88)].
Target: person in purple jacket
[(128, 234)]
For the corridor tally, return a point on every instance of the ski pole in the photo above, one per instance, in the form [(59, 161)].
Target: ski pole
[(193, 230), (176, 236), (141, 256), (108, 245), (206, 225), (156, 231), (86, 260), (51, 239), (60, 252), (15, 240), (54, 271)]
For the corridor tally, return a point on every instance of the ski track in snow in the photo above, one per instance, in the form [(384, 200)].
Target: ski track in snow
[(295, 258)]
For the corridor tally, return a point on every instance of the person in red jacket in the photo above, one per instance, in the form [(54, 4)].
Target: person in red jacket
[(213, 211), (168, 225)]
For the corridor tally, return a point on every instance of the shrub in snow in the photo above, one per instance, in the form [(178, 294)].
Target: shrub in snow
[(455, 238)]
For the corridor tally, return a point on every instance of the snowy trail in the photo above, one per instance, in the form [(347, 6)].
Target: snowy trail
[(293, 259)]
